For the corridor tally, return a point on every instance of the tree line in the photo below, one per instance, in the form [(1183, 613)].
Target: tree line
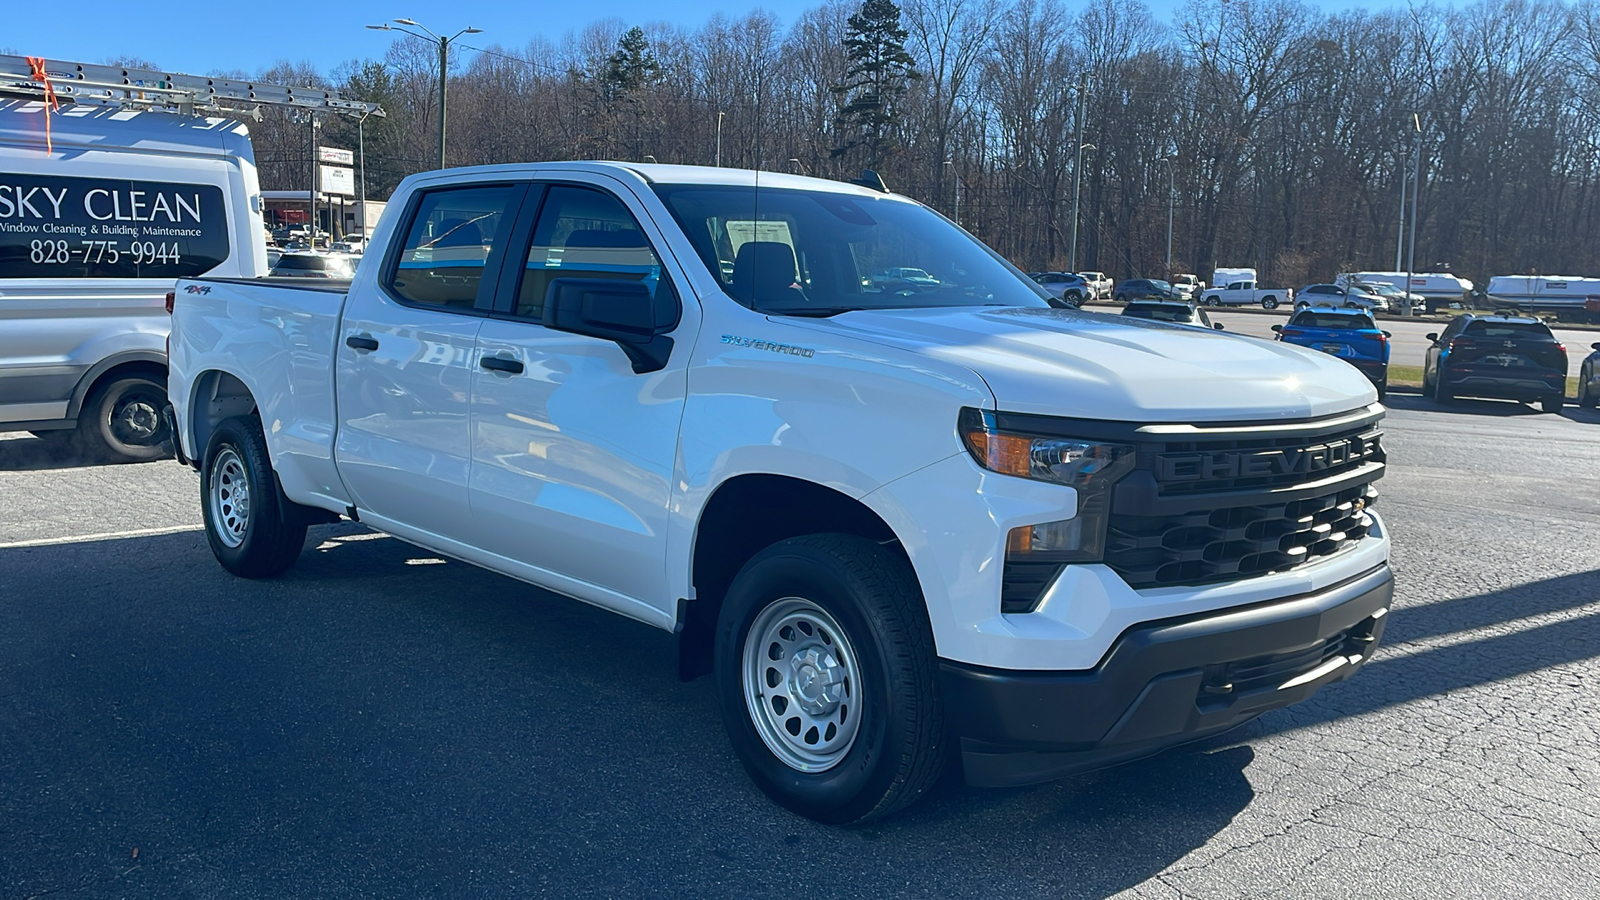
[(1275, 135)]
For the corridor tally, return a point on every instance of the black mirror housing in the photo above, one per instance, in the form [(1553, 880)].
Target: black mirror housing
[(1595, 346), (619, 311), (1432, 336), (1278, 328)]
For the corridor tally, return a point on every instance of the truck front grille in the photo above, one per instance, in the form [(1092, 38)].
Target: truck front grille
[(1243, 463), (1234, 542)]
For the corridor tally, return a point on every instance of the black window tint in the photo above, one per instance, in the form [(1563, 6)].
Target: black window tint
[(448, 243), (585, 233), (1480, 328), (1309, 319)]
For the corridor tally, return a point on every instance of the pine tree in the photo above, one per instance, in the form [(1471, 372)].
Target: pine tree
[(633, 66), (880, 71)]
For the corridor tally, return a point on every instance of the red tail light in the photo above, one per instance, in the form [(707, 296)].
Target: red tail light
[(171, 297)]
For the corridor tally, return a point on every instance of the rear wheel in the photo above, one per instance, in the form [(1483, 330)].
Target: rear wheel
[(1552, 404), (1213, 301), (827, 678), (1586, 398), (121, 421), (253, 529), (1440, 394), (1269, 302)]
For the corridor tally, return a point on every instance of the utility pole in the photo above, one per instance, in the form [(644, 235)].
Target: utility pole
[(1416, 200), (1077, 175), (957, 176)]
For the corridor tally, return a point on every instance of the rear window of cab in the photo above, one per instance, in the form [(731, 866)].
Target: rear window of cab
[(1312, 319)]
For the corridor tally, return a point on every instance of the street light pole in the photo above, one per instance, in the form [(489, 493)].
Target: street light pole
[(1416, 201), (719, 138), (444, 63), (956, 176), (1172, 200)]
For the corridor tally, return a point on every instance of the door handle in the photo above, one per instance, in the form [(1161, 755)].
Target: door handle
[(501, 364), (356, 342)]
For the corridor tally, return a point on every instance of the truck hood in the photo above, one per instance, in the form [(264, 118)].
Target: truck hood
[(1089, 365)]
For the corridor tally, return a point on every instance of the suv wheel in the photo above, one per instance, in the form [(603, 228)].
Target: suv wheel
[(827, 678), (1552, 404), (1586, 399), (1439, 393), (1269, 302)]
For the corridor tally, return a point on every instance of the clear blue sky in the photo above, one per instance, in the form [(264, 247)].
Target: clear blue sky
[(199, 38)]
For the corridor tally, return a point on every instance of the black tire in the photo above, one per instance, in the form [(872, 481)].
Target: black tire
[(1552, 404), (1213, 302), (896, 751), (1383, 388), (1585, 398), (1074, 297), (265, 539), (1120, 298), (121, 421), (1439, 393), (1269, 302)]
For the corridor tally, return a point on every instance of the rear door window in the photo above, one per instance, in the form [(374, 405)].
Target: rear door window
[(448, 243)]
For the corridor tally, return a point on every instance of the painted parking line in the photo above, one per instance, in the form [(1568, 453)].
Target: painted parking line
[(106, 536)]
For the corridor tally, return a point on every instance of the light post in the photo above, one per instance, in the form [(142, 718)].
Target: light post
[(719, 138), (957, 177), (1077, 183), (1172, 200), (444, 63), (361, 159)]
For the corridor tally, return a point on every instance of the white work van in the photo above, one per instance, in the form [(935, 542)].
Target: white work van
[(902, 522), (94, 232)]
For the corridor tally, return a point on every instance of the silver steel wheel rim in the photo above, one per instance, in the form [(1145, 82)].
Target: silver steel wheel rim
[(229, 493), (802, 685)]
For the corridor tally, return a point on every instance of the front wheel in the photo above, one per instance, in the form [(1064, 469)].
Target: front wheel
[(252, 527), (1269, 302), (827, 678)]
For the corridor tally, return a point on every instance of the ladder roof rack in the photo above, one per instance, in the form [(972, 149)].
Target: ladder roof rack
[(74, 82)]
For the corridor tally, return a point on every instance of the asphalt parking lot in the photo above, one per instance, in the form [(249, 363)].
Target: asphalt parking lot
[(384, 723)]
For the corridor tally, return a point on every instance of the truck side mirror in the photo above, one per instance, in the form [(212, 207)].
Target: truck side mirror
[(615, 310)]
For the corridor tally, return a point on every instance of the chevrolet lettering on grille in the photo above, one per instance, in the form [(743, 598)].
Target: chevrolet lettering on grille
[(1179, 467)]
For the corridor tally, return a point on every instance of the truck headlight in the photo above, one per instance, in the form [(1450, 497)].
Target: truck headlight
[(1036, 553), (1084, 464)]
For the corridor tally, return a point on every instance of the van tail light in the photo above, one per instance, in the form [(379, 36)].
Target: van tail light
[(172, 297)]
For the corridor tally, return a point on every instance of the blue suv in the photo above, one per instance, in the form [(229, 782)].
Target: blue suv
[(1349, 334)]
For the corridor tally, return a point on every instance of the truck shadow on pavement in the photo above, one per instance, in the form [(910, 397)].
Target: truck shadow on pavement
[(1414, 663), (1503, 409), (383, 721), (20, 452)]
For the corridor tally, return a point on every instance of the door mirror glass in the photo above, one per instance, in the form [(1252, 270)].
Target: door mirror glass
[(1432, 336)]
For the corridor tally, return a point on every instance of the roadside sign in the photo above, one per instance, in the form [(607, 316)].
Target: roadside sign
[(338, 180), (336, 156)]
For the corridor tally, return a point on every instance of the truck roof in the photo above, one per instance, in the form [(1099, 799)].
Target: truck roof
[(662, 173)]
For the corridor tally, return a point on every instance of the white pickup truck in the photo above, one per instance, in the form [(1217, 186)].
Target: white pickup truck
[(887, 518), (1245, 293)]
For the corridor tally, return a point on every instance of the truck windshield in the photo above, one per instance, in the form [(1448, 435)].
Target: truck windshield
[(799, 252)]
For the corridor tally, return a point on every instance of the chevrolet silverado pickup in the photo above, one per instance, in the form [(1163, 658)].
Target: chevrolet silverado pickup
[(902, 523)]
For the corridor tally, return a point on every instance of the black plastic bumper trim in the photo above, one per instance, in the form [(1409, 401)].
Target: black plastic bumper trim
[(1150, 691)]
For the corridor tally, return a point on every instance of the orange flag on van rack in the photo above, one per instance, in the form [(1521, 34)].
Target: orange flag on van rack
[(51, 103)]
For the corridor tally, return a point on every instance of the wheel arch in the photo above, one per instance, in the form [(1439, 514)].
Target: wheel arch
[(744, 515), (217, 395), (117, 365)]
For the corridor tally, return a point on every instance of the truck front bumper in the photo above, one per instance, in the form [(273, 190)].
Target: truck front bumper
[(1163, 683)]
